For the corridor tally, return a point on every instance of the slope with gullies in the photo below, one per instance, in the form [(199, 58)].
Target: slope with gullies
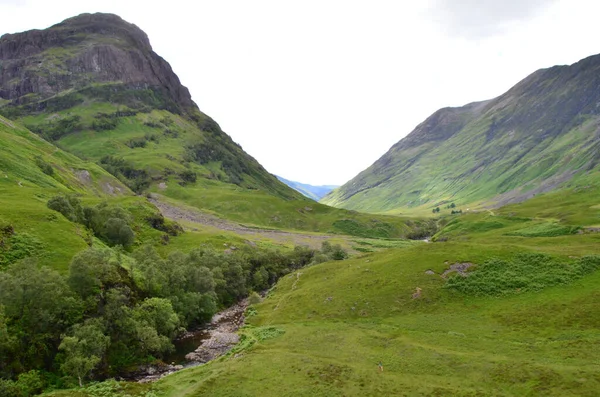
[(32, 171), (533, 139), (93, 86)]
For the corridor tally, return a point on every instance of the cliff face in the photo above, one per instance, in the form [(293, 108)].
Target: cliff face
[(81, 51)]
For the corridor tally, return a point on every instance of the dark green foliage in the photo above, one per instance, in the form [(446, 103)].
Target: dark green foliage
[(110, 223), (104, 122), (28, 384), (335, 252), (454, 212), (103, 318), (39, 306), (187, 176), (436, 210), (69, 206), (117, 232), (91, 271), (140, 142), (525, 272), (44, 166), (84, 349), (54, 130), (136, 179), (158, 222), (420, 230)]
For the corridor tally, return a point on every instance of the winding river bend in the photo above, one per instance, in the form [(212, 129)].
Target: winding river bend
[(199, 346)]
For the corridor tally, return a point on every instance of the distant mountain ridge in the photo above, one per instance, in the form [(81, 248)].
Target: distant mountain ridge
[(313, 192), (532, 139)]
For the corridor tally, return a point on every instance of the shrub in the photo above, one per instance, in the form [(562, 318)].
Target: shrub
[(254, 298), (187, 176), (45, 167), (136, 142), (69, 206), (117, 232), (104, 122)]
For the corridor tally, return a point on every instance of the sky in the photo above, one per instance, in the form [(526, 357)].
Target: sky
[(318, 90)]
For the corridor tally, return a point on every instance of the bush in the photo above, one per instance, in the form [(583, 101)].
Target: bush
[(117, 232), (69, 206), (104, 122), (45, 167), (187, 176), (254, 298), (136, 142)]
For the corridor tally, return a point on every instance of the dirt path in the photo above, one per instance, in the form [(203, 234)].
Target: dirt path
[(190, 215)]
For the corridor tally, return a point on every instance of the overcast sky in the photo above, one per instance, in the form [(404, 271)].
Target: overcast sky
[(318, 90)]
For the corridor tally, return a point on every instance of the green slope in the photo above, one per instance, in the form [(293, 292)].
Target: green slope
[(528, 141), (93, 86), (25, 189), (337, 321)]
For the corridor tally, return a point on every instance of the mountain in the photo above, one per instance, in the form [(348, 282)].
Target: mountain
[(534, 138), (313, 192), (93, 85)]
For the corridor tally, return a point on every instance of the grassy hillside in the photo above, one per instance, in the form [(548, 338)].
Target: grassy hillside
[(531, 331), (31, 172), (530, 140)]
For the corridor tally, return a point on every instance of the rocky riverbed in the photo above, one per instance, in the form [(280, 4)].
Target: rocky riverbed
[(212, 340)]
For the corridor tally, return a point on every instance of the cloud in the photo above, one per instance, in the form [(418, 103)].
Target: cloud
[(484, 18)]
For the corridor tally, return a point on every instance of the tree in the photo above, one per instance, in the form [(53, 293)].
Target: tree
[(159, 314), (154, 273), (118, 232), (84, 350), (7, 344), (39, 307), (90, 270)]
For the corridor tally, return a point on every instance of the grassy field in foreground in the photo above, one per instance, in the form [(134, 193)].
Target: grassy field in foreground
[(529, 329), (339, 320)]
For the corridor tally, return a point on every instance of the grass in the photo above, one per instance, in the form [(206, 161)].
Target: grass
[(445, 343), (532, 332)]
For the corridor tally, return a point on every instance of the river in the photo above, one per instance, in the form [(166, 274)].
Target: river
[(198, 346)]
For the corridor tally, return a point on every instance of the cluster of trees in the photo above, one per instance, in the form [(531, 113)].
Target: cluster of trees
[(107, 222), (111, 311), (436, 210), (54, 130)]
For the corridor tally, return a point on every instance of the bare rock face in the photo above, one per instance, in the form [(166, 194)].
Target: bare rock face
[(80, 51)]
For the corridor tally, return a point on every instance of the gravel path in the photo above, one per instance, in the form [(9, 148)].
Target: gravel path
[(190, 215)]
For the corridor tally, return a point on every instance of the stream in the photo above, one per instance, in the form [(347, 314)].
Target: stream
[(198, 346)]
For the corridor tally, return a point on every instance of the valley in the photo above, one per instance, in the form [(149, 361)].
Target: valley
[(464, 262)]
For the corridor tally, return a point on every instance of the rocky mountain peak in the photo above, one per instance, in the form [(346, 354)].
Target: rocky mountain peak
[(81, 51)]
